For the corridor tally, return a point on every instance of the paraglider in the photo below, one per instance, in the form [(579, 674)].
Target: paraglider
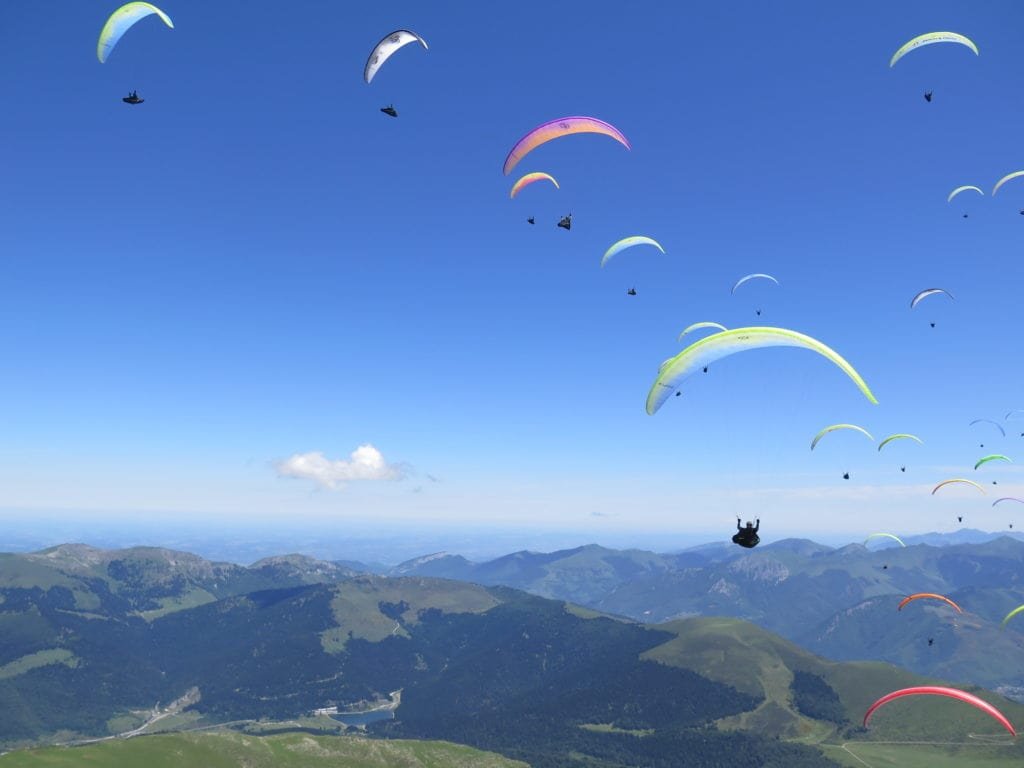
[(995, 424), (928, 39), (553, 129), (132, 98), (926, 293), (992, 457), (719, 345), (698, 326), (928, 96), (930, 595), (892, 536), (530, 220), (629, 242), (747, 537), (965, 188), (530, 178), (834, 427), (389, 110), (846, 475), (1006, 178), (903, 469), (383, 50), (756, 275), (1019, 609), (566, 222), (933, 690), (631, 292), (931, 640), (1007, 498), (957, 480), (899, 436), (120, 21)]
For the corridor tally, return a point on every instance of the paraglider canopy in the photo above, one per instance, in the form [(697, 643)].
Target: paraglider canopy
[(383, 50), (892, 536), (711, 348), (834, 427), (929, 595), (926, 293), (756, 275), (899, 436), (530, 178), (1007, 498), (553, 129), (955, 481), (995, 424), (953, 693), (121, 21), (629, 242), (1006, 178), (965, 188), (928, 39), (992, 457), (698, 326), (1019, 609)]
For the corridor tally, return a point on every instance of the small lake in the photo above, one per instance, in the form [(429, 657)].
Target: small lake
[(364, 718)]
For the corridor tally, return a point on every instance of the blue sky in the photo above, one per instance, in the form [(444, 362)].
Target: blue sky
[(256, 263)]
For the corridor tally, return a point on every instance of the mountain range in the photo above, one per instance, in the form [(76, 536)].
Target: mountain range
[(837, 602), (99, 642)]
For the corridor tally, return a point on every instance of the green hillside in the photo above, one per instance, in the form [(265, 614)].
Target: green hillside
[(840, 603), (917, 755), (760, 663), (233, 750)]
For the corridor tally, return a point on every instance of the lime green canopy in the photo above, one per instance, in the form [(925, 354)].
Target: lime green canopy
[(718, 345), (992, 457), (1011, 614), (834, 427), (900, 436), (121, 21)]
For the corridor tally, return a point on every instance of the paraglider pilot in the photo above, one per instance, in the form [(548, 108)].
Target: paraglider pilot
[(747, 537), (132, 98)]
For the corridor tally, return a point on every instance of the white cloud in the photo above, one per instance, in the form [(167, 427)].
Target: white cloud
[(364, 463)]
